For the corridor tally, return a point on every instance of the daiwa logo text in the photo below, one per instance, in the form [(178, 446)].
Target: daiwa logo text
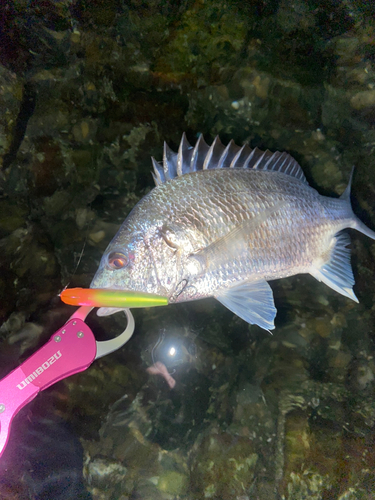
[(42, 368)]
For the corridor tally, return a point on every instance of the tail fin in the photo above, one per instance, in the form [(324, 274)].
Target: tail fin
[(346, 194), (362, 228), (357, 224)]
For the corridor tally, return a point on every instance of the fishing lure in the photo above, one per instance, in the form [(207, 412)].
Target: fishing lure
[(100, 297)]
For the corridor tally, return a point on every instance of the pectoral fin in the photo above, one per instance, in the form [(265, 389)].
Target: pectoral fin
[(337, 272), (251, 301)]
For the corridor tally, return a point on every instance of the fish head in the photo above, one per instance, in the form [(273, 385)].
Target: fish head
[(137, 260), (126, 265)]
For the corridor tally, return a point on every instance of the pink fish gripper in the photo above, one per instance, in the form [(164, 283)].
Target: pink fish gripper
[(70, 350)]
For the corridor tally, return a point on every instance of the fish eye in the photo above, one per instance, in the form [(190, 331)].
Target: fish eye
[(117, 260)]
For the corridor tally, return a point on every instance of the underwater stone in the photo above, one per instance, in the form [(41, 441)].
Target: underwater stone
[(173, 483), (363, 100), (85, 131), (294, 16), (12, 216), (11, 89), (103, 473), (224, 466), (307, 486), (327, 172)]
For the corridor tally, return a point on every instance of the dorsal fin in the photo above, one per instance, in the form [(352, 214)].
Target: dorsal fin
[(203, 157)]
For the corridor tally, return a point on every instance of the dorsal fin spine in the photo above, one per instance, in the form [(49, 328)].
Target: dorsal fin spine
[(166, 161), (202, 157), (224, 155), (259, 160), (237, 156), (183, 156), (249, 158), (159, 173)]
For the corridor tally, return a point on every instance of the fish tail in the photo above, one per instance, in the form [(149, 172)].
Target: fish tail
[(336, 272), (362, 228), (346, 194), (356, 223)]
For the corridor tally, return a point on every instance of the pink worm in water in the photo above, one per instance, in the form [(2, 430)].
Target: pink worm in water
[(159, 368)]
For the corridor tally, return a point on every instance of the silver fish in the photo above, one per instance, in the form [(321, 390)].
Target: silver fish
[(221, 222)]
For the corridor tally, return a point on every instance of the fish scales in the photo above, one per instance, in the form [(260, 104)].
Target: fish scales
[(209, 204), (226, 231)]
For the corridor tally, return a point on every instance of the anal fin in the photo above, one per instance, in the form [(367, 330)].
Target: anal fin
[(251, 301), (337, 272)]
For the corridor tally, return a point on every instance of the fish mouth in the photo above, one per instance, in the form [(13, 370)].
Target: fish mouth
[(98, 286), (96, 281), (100, 280)]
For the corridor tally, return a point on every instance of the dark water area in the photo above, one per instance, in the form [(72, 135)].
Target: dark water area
[(88, 93)]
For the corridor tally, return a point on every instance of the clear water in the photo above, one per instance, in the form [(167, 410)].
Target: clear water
[(88, 94)]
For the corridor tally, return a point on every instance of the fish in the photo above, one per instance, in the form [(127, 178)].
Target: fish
[(223, 221)]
